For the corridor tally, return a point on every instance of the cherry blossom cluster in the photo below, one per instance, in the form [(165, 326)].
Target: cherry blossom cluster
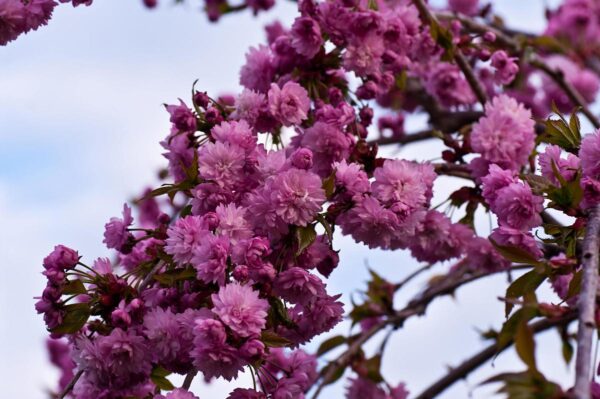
[(22, 16), (225, 268)]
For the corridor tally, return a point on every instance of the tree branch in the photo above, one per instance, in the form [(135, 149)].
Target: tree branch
[(475, 361), (480, 28), (415, 307), (150, 275), (404, 139), (568, 88), (187, 382), (509, 41), (586, 305), (71, 385), (459, 57)]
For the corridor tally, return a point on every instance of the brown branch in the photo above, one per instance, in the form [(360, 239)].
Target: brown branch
[(187, 382), (417, 306), (71, 385), (459, 57), (556, 75), (475, 361), (480, 28), (454, 170), (575, 97), (404, 139), (586, 305)]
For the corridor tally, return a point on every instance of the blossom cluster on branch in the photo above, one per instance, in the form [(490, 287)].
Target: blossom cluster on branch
[(226, 267)]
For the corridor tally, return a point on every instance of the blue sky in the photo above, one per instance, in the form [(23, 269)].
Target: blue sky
[(80, 121)]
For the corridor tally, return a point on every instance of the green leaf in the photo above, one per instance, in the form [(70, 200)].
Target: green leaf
[(575, 125), (76, 315), (336, 375), (567, 351), (525, 345), (74, 287), (170, 277), (527, 283), (515, 254), (305, 236), (510, 326), (373, 366), (329, 185), (330, 344), (159, 378), (526, 385), (273, 340), (186, 211), (575, 284), (362, 312), (326, 225)]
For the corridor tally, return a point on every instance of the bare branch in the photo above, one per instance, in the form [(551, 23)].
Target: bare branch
[(586, 305), (404, 139), (417, 306), (475, 361)]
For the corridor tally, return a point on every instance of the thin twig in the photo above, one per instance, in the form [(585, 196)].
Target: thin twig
[(71, 385), (411, 276), (150, 275), (187, 382), (459, 57), (586, 305), (475, 361)]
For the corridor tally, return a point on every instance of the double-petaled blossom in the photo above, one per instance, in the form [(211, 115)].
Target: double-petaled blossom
[(297, 285), (116, 361), (506, 68), (212, 355), (447, 84), (184, 237), (289, 104), (18, 17), (306, 36), (239, 308), (258, 71), (116, 234), (328, 143), (403, 186), (505, 135)]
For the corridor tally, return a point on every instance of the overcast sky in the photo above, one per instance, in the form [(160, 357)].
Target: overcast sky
[(80, 121)]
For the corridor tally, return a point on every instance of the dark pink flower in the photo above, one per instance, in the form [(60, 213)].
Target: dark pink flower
[(289, 104), (240, 308)]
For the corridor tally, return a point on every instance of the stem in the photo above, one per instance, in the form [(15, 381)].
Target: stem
[(586, 305), (187, 382), (149, 276), (459, 57), (71, 385), (412, 276), (475, 361)]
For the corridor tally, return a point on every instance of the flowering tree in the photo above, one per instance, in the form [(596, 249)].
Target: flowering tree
[(225, 269)]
